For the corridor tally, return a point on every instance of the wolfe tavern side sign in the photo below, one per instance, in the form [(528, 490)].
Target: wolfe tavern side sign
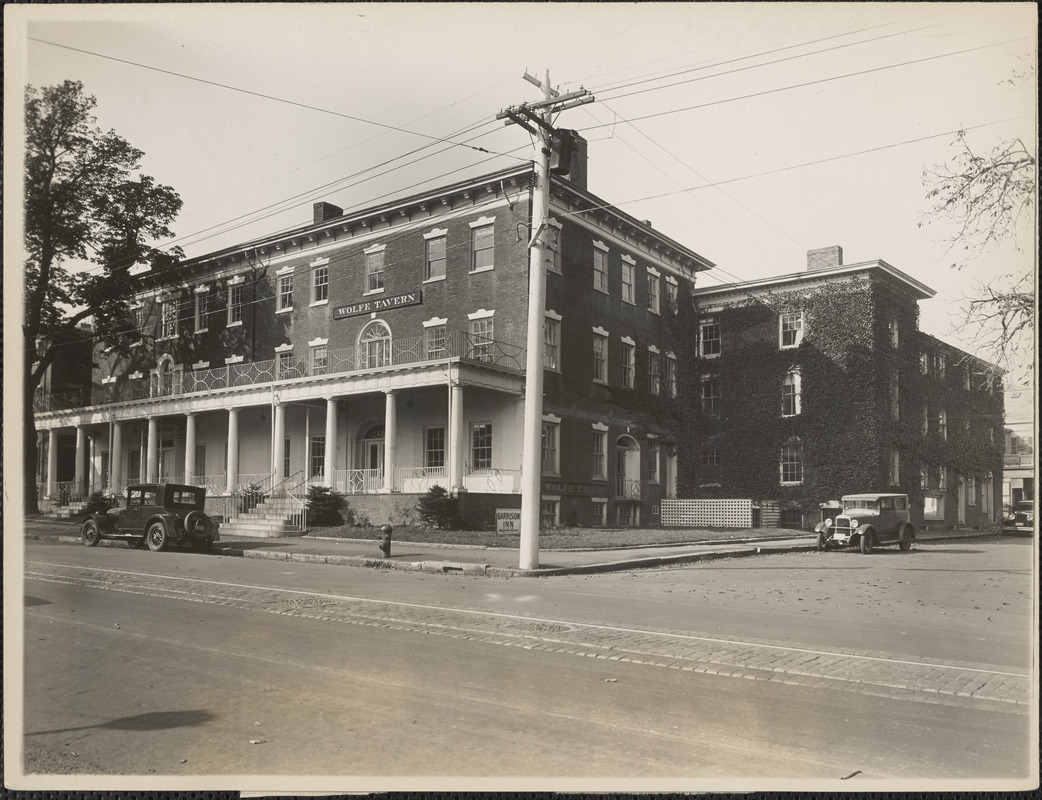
[(378, 304)]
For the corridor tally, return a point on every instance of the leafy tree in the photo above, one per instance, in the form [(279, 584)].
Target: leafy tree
[(990, 197), (89, 218)]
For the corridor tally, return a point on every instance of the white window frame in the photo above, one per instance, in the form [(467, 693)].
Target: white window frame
[(474, 426), (798, 461), (552, 428), (552, 341), (549, 501), (284, 283), (795, 318), (600, 439), (169, 324), (235, 287), (553, 247), (654, 291), (202, 309), (319, 282), (654, 464), (438, 235), (716, 399), (428, 451), (600, 276), (703, 339), (476, 229), (672, 294), (375, 256), (629, 280), (600, 360), (602, 517), (654, 371), (629, 362), (671, 375)]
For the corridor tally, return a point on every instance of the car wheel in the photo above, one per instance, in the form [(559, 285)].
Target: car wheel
[(156, 536), (822, 545), (90, 533), (866, 542), (906, 539)]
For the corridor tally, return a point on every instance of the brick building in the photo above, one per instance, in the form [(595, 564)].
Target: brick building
[(817, 384), (381, 351)]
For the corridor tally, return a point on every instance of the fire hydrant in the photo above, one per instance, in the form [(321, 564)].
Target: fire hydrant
[(385, 540)]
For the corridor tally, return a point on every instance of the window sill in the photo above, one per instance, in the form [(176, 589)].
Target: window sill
[(602, 291), (653, 311), (234, 324), (435, 279), (629, 302), (319, 303), (202, 330), (552, 369), (482, 269), (167, 338), (372, 292), (284, 310), (600, 382), (601, 478), (791, 483)]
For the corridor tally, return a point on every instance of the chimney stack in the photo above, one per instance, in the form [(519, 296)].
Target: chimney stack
[(324, 211), (825, 257)]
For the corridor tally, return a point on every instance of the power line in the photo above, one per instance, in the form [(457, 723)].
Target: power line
[(257, 94), (753, 66), (807, 83)]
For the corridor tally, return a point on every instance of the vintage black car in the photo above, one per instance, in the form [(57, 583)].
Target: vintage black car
[(868, 520), (1019, 519), (155, 515)]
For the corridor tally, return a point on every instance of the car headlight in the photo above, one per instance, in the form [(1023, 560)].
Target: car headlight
[(828, 522), (1030, 517), (853, 523)]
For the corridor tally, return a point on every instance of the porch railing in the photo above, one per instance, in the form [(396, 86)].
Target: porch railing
[(492, 479), (627, 489), (417, 480), (358, 481), (360, 358)]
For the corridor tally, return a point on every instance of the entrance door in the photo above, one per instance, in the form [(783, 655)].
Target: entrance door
[(371, 458), (374, 455)]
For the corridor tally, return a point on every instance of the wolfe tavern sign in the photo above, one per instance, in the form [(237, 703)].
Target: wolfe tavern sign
[(378, 304)]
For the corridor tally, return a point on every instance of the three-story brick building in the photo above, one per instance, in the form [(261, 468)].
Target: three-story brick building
[(817, 384), (381, 351)]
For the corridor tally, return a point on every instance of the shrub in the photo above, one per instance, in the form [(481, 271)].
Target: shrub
[(325, 507), (99, 503), (438, 509)]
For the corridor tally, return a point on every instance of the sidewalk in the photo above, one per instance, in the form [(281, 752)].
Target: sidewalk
[(476, 560)]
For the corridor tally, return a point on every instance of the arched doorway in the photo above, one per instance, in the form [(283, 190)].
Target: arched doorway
[(374, 345)]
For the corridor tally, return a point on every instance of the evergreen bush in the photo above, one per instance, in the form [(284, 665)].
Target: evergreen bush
[(326, 507), (99, 503), (438, 509)]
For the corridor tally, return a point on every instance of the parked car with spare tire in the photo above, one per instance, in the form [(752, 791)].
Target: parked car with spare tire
[(866, 521), (155, 515)]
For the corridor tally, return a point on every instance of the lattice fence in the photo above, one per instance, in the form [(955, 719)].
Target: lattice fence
[(707, 513)]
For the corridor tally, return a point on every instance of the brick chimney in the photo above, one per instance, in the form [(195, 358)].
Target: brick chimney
[(577, 169), (825, 257), (324, 211)]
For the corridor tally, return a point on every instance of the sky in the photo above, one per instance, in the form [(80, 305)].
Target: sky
[(749, 132)]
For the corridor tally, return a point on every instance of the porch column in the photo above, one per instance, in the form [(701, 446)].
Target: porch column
[(330, 460), (52, 462), (152, 451), (233, 449), (390, 439), (279, 445), (116, 458), (79, 486), (456, 437), (189, 447)]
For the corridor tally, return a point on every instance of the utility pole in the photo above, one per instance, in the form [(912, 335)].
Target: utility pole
[(536, 119)]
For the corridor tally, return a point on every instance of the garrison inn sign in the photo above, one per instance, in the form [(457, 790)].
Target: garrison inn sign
[(378, 304)]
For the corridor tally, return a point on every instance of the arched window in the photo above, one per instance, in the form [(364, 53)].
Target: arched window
[(374, 345)]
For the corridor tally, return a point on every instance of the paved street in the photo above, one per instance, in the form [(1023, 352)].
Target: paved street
[(804, 665)]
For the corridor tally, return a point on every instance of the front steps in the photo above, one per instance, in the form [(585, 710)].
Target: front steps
[(271, 519)]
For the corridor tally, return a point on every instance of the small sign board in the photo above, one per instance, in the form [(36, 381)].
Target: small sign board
[(508, 520)]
